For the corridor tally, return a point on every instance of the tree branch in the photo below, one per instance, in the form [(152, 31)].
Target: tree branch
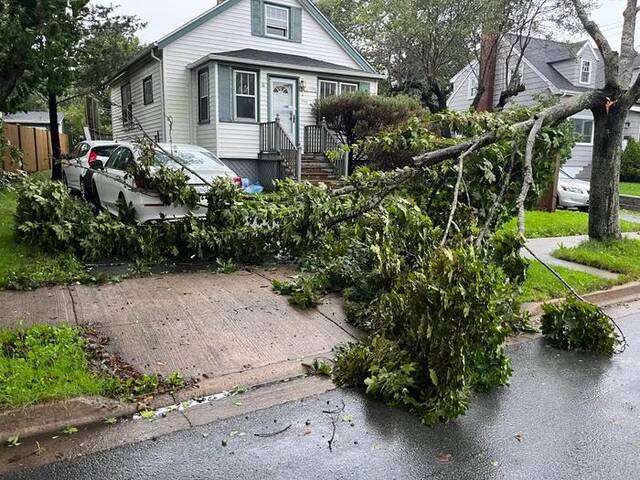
[(609, 57), (528, 172), (456, 191)]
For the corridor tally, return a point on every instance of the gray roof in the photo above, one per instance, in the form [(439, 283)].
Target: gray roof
[(285, 58), (542, 54), (32, 118)]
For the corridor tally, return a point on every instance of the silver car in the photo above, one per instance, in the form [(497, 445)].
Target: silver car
[(573, 193), (112, 184), (80, 160)]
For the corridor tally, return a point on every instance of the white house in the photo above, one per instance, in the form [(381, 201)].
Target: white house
[(223, 79)]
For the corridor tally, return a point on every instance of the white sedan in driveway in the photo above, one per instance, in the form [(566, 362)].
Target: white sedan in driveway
[(81, 158), (573, 192), (112, 184)]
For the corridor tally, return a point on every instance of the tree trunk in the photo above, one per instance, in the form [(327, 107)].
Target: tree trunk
[(604, 199), (56, 166)]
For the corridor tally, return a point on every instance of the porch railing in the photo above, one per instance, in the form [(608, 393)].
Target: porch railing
[(274, 140), (319, 139)]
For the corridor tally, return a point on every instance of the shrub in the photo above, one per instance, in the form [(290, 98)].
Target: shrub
[(48, 217), (354, 117), (577, 325), (630, 163), (439, 335)]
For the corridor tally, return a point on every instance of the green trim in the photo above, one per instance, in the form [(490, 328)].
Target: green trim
[(297, 87), (308, 5)]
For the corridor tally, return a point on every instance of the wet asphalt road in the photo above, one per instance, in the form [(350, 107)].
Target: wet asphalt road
[(565, 416)]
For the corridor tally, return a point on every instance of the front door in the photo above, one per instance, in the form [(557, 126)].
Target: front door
[(283, 103)]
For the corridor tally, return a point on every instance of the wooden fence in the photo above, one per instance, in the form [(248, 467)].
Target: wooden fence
[(35, 145)]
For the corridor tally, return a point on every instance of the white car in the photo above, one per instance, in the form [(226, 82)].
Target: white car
[(112, 185), (572, 192), (81, 158)]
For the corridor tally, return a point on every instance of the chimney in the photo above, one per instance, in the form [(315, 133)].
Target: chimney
[(488, 64)]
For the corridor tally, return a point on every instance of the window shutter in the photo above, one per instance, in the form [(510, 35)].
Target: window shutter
[(257, 18), (296, 24), (225, 93), (364, 87)]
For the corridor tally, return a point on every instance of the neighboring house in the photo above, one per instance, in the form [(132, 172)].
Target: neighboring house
[(32, 119), (548, 68), (221, 80)]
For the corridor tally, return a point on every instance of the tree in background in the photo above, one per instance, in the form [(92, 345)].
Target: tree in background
[(25, 29), (422, 44), (108, 41)]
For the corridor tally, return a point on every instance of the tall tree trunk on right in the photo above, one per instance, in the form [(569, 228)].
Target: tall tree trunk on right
[(604, 222), (56, 166)]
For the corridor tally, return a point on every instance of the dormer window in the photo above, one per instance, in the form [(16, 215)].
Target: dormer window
[(276, 21), (585, 72)]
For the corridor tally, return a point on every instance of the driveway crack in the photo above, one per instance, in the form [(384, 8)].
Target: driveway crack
[(73, 305)]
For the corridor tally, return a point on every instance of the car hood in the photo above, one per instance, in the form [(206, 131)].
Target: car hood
[(574, 183)]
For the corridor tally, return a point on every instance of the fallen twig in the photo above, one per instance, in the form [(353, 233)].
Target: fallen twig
[(273, 434)]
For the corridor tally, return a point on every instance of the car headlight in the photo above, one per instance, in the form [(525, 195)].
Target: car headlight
[(573, 190)]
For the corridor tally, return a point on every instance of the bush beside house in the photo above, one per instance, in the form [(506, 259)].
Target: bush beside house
[(354, 117)]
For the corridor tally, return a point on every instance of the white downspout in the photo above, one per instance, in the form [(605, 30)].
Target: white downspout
[(162, 103)]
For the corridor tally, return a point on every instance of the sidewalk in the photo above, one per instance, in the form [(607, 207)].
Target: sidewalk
[(544, 247), (222, 331)]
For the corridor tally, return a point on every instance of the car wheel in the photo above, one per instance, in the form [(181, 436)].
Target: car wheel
[(558, 204)]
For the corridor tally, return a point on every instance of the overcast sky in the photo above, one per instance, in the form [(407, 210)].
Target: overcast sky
[(164, 16)]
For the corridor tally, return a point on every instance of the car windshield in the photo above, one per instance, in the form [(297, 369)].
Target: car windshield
[(565, 175), (191, 158), (104, 151)]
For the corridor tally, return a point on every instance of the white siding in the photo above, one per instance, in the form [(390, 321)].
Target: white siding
[(231, 30), (149, 116), (459, 99), (240, 140)]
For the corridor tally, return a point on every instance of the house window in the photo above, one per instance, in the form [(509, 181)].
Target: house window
[(147, 90), (583, 128), (203, 96), (585, 72), (348, 88), (245, 101), (276, 21), (328, 88), (126, 104), (473, 86)]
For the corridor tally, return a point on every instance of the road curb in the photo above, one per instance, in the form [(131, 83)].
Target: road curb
[(53, 417), (604, 298)]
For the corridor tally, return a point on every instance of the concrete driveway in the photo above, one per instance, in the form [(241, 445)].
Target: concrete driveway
[(222, 330)]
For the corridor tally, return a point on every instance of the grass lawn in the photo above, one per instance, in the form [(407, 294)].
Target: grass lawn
[(622, 256), (542, 285), (46, 363), (20, 266), (562, 223), (630, 188)]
